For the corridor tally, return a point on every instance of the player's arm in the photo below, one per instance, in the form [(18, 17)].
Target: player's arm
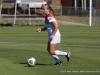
[(43, 29), (55, 29)]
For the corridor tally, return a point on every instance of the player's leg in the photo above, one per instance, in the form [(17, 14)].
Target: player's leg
[(58, 62), (67, 54), (53, 51)]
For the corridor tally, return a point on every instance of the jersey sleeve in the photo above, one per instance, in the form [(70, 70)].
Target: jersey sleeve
[(51, 19)]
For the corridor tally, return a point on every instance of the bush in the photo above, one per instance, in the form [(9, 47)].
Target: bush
[(8, 24), (83, 13)]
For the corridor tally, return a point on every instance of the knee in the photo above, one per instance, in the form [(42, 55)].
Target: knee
[(52, 52)]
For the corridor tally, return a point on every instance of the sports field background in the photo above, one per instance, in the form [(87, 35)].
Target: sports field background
[(19, 43)]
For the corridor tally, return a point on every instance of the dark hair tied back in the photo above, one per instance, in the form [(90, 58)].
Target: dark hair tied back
[(50, 8)]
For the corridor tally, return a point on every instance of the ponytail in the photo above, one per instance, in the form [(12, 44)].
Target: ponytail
[(50, 8)]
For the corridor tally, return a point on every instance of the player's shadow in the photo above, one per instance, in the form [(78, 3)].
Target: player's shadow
[(19, 62), (43, 64), (39, 64)]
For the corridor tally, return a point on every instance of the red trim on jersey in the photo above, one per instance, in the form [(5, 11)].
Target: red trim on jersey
[(49, 15)]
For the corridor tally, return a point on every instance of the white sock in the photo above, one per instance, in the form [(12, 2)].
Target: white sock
[(56, 58), (57, 52)]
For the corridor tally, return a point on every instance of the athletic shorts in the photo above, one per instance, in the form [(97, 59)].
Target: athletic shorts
[(55, 40)]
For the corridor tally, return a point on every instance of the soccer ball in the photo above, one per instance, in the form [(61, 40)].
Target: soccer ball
[(31, 61)]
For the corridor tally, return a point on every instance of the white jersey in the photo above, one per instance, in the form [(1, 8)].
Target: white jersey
[(50, 28)]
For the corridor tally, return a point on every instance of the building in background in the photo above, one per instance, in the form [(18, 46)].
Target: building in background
[(96, 4), (75, 3), (70, 3), (53, 1)]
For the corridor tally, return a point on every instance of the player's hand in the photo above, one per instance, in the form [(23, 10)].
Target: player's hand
[(39, 30), (52, 36)]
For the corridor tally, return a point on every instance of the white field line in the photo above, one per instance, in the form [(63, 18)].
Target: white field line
[(37, 44), (74, 32), (81, 32), (70, 45), (80, 45), (3, 42), (66, 32)]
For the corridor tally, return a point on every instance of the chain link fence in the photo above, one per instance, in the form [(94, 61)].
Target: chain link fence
[(72, 16), (64, 15), (96, 12), (76, 16)]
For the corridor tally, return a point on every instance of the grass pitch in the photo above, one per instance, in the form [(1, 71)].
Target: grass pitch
[(17, 44)]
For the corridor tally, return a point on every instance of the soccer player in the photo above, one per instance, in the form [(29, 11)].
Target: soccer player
[(54, 35)]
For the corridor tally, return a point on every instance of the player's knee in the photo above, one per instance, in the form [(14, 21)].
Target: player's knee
[(52, 52)]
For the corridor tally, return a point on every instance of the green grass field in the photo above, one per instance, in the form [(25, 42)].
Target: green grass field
[(17, 44)]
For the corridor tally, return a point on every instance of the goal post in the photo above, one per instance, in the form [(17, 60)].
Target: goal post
[(90, 13), (0, 7), (15, 5)]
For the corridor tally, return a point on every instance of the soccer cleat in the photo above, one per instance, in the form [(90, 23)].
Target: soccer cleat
[(68, 56), (60, 63)]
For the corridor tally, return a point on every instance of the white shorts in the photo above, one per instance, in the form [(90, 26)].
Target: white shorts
[(55, 40)]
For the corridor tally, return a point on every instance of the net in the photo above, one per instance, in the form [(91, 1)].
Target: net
[(96, 12)]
